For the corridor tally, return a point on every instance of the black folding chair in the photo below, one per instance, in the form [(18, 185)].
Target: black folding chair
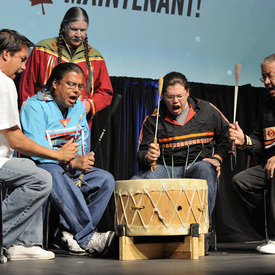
[(1, 224)]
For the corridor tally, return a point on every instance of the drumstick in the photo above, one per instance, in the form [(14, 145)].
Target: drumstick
[(88, 87), (115, 104), (238, 70), (114, 107), (154, 164)]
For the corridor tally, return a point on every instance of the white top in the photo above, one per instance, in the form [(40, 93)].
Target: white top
[(9, 115)]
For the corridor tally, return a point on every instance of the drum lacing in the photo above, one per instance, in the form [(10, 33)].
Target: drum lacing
[(136, 210), (202, 208), (175, 209), (190, 203), (123, 208), (156, 210)]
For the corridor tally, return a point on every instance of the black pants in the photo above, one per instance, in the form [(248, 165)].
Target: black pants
[(249, 186)]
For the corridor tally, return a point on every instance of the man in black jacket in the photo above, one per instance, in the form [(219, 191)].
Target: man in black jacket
[(192, 138), (251, 183)]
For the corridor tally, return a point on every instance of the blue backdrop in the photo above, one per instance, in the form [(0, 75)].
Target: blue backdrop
[(203, 39)]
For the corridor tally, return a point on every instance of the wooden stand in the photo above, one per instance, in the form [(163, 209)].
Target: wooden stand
[(190, 248)]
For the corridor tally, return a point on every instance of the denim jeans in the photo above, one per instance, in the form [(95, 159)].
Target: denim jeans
[(81, 208), (199, 170), (29, 187)]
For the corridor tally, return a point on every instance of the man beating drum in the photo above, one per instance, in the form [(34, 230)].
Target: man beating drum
[(191, 135)]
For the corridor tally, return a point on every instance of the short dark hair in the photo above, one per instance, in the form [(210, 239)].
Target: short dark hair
[(13, 41), (59, 72), (174, 78)]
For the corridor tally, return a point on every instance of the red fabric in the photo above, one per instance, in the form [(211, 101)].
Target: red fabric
[(44, 57)]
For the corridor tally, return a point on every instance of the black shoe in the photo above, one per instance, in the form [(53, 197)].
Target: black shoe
[(209, 242)]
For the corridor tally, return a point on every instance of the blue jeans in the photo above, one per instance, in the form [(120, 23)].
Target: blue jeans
[(22, 209), (199, 170), (81, 208)]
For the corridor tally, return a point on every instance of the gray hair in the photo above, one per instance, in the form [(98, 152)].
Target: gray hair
[(74, 14), (268, 60)]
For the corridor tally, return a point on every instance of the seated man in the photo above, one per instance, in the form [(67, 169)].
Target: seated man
[(51, 118), (188, 131), (251, 183), (29, 186)]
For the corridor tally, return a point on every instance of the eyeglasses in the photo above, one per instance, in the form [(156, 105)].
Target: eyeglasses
[(76, 29), (72, 85), (270, 78), (172, 97)]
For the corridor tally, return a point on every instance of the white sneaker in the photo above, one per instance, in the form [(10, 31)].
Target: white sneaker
[(267, 248), (258, 248), (66, 241), (3, 259), (100, 243), (20, 252)]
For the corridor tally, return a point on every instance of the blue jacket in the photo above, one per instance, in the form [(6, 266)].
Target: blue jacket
[(43, 122)]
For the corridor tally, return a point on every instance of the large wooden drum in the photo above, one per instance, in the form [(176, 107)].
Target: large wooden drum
[(157, 207)]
